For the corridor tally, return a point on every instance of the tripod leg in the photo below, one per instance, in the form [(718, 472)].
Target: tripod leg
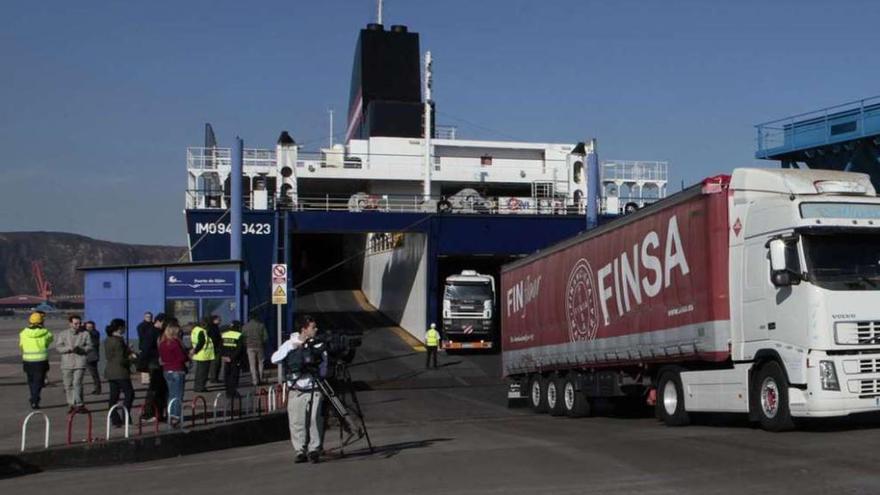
[(357, 407)]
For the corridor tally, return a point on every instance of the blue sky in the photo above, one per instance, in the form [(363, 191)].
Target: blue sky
[(99, 100)]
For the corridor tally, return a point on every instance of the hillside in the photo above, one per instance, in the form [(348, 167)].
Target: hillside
[(61, 254)]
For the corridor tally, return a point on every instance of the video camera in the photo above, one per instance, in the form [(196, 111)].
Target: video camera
[(341, 346)]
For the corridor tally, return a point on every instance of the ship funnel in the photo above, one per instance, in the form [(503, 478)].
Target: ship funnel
[(285, 139)]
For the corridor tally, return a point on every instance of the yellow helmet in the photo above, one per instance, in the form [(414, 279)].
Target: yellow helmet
[(36, 318)]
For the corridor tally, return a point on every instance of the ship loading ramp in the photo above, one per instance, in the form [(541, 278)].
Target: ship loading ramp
[(842, 137)]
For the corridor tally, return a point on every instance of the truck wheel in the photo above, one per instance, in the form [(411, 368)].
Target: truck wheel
[(538, 394), (771, 398), (670, 400), (574, 402), (555, 399)]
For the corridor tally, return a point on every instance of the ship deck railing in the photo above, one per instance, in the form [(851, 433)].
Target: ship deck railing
[(361, 202), (830, 125), (634, 171)]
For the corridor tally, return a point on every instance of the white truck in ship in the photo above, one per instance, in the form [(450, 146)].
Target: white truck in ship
[(468, 311)]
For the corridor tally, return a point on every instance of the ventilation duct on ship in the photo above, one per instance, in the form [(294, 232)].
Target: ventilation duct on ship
[(397, 28), (375, 27), (286, 153)]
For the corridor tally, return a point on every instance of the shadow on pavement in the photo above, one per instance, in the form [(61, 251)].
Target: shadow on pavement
[(390, 450)]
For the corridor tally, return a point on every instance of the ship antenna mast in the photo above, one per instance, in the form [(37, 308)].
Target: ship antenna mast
[(330, 110), (379, 12)]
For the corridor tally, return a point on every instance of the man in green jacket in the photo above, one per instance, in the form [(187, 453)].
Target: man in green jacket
[(34, 342)]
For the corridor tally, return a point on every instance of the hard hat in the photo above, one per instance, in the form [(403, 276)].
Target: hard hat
[(36, 318), (433, 325)]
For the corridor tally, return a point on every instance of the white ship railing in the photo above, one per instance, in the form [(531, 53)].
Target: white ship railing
[(515, 205), (217, 158)]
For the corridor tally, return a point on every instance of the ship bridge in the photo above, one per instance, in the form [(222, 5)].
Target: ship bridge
[(841, 137)]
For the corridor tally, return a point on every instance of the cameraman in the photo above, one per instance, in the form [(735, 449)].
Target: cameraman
[(305, 361)]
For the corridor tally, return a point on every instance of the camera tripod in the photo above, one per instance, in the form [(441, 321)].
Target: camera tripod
[(351, 423)]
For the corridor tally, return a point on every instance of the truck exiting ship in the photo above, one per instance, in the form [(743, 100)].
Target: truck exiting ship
[(469, 311), (754, 293)]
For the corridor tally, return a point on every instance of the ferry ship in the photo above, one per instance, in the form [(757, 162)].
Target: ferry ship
[(402, 202)]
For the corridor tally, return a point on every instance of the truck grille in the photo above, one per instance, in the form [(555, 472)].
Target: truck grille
[(857, 332), (861, 366), (869, 365), (869, 387)]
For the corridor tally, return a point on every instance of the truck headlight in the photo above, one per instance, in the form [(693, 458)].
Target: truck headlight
[(828, 375)]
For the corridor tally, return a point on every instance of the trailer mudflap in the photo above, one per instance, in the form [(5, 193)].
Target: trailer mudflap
[(515, 390)]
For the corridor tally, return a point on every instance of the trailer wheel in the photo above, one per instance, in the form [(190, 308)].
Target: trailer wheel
[(555, 396), (771, 398), (538, 394), (574, 402), (670, 400)]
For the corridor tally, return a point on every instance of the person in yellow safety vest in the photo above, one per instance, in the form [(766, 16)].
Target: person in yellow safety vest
[(232, 354), (34, 342), (432, 342), (202, 354)]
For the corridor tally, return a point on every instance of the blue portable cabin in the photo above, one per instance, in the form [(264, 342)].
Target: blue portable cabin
[(186, 291)]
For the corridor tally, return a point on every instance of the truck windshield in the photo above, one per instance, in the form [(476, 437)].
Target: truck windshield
[(843, 261), (471, 292)]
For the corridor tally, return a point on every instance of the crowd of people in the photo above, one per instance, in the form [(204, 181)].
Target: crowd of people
[(162, 358)]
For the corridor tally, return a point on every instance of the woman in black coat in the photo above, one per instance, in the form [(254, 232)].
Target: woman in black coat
[(117, 370)]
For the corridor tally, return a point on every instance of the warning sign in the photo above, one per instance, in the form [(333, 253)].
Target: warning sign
[(279, 284)]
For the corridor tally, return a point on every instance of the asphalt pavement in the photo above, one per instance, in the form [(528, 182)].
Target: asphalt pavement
[(449, 431)]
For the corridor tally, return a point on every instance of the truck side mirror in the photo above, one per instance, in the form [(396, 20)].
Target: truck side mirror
[(777, 255), (780, 272)]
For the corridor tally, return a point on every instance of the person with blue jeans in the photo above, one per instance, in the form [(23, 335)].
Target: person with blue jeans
[(173, 357)]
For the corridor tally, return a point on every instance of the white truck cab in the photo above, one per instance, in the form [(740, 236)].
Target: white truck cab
[(805, 292), (468, 311)]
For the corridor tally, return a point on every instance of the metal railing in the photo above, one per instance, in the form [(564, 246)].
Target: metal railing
[(837, 123), (445, 131), (522, 205), (634, 170), (214, 158)]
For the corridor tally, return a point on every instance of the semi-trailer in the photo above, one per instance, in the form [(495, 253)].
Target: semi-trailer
[(755, 293)]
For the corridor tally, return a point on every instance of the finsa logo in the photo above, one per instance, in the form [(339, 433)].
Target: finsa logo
[(582, 303), (622, 280), (173, 280), (521, 294)]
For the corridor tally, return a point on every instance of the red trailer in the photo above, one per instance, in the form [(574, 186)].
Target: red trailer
[(597, 315)]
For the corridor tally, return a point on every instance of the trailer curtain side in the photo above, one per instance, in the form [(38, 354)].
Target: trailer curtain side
[(649, 288)]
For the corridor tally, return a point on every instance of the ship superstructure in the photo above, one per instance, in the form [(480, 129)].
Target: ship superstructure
[(404, 202)]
